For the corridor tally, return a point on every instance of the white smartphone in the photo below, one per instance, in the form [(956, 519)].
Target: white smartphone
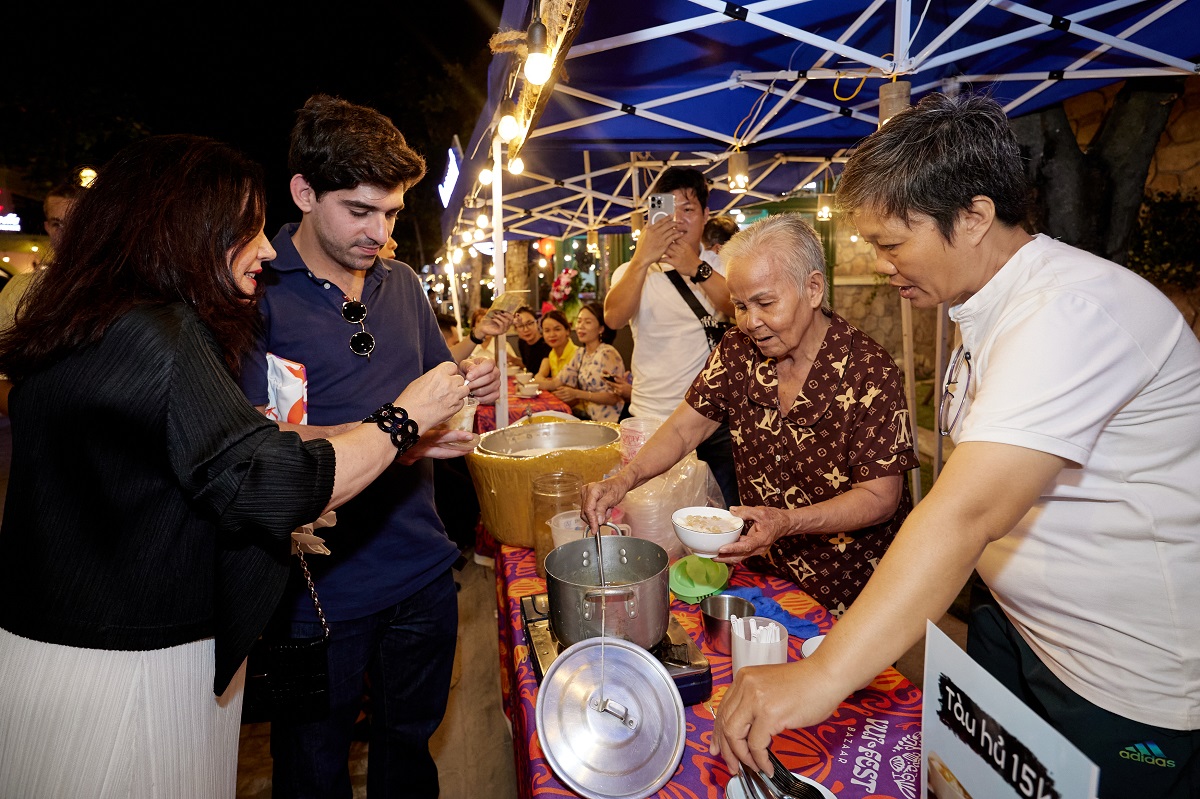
[(661, 205)]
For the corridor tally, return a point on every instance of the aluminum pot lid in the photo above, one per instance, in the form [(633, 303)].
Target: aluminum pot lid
[(624, 745)]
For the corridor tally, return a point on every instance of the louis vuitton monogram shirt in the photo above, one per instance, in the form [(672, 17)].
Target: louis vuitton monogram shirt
[(848, 424)]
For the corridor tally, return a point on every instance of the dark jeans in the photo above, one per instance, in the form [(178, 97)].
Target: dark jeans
[(1103, 736), (717, 452), (407, 651)]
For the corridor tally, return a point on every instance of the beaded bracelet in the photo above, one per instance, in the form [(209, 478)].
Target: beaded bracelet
[(395, 422)]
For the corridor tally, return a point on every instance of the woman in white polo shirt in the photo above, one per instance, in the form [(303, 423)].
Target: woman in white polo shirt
[(1074, 487)]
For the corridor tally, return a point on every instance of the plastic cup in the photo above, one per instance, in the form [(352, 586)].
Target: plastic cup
[(464, 420), (636, 431), (747, 652)]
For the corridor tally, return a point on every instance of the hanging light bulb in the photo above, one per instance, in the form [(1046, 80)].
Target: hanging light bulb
[(457, 255), (483, 220), (466, 237), (593, 241), (86, 176), (739, 172), (471, 251), (542, 263), (478, 235), (824, 207), (538, 64), (485, 176), (450, 269), (508, 127), (516, 166)]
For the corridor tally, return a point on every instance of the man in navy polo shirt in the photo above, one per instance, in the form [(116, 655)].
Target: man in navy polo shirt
[(363, 329)]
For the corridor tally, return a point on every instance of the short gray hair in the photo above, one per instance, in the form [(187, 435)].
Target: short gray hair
[(933, 158), (788, 241)]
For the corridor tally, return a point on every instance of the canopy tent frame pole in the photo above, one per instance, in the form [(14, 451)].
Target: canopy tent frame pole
[(499, 265)]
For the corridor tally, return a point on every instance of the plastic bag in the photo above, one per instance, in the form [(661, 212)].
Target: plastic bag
[(648, 508)]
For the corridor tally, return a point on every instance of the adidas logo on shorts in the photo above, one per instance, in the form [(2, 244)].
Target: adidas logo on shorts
[(1147, 753)]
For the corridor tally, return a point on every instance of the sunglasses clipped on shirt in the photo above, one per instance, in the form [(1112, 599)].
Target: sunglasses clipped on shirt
[(362, 342)]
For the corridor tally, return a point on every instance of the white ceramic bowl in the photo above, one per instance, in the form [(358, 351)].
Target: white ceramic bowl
[(700, 542)]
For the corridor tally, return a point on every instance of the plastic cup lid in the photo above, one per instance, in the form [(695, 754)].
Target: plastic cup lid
[(630, 747)]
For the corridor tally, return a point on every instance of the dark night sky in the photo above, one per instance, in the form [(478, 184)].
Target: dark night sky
[(81, 85)]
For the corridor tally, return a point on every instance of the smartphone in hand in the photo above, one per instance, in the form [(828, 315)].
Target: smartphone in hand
[(662, 206)]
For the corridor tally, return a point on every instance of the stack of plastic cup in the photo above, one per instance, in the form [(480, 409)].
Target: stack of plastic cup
[(636, 431)]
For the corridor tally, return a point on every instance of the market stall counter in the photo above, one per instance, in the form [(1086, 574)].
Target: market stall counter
[(870, 747)]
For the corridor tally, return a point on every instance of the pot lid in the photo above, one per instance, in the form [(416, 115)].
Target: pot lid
[(624, 745)]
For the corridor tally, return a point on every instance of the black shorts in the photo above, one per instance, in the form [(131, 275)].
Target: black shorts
[(1136, 761)]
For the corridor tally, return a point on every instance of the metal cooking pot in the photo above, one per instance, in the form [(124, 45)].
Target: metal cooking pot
[(547, 437), (635, 603)]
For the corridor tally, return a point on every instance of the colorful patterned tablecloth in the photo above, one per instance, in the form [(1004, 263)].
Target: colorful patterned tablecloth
[(870, 748), (485, 415)]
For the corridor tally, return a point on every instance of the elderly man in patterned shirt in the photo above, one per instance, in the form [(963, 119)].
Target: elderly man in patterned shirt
[(818, 419)]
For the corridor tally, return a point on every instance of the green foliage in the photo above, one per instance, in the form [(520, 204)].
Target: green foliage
[(1165, 247)]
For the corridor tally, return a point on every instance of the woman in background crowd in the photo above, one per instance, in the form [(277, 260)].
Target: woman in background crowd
[(533, 347), (147, 526), (583, 383), (556, 330)]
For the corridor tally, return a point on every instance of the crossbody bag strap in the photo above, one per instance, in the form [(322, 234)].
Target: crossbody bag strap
[(707, 320), (312, 590)]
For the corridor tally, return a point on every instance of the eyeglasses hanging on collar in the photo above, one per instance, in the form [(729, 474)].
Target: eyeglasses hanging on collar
[(354, 312), (952, 399)]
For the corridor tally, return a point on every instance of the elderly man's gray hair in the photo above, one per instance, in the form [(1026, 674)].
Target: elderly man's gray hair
[(788, 241)]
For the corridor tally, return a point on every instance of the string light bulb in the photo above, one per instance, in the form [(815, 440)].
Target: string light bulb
[(485, 176), (824, 207), (739, 172), (478, 235), (516, 166), (593, 241), (508, 127), (483, 220), (86, 176), (538, 64)]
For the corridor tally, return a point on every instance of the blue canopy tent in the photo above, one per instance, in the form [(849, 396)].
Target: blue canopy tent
[(792, 83), (776, 91)]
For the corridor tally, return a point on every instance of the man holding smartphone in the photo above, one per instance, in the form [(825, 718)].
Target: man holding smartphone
[(670, 342)]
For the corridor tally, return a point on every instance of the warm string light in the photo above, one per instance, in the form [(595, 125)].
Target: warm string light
[(824, 207), (739, 172), (508, 127), (538, 64)]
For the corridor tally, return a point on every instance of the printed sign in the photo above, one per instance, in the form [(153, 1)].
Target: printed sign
[(978, 740)]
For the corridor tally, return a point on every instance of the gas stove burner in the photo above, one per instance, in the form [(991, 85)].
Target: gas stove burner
[(688, 667)]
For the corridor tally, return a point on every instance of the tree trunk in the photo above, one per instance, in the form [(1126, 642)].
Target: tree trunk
[(1091, 199), (516, 267)]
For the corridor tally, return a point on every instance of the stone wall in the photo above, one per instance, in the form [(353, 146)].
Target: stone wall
[(1176, 164)]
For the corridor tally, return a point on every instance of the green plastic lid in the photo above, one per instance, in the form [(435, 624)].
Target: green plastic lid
[(693, 578)]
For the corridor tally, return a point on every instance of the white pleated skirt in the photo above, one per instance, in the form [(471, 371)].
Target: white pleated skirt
[(134, 725)]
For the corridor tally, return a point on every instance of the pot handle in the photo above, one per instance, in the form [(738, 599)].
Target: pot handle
[(626, 592), (621, 529)]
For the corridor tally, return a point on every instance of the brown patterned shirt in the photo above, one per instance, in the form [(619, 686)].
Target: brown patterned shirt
[(848, 424)]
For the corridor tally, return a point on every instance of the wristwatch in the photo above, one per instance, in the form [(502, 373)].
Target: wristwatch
[(703, 273)]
